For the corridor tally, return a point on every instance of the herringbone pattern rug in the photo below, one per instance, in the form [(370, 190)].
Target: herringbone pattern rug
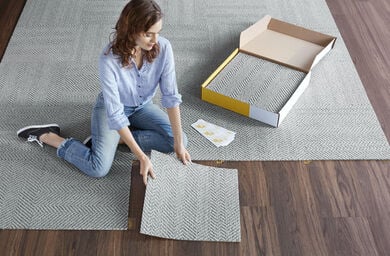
[(49, 74), (191, 202)]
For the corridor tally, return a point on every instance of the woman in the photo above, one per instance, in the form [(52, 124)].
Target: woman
[(131, 67)]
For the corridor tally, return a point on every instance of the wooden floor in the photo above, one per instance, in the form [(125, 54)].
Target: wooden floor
[(287, 208)]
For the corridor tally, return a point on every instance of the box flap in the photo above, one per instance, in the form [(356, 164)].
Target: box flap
[(250, 33), (285, 43)]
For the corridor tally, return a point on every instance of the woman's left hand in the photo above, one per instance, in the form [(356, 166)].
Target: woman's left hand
[(182, 154)]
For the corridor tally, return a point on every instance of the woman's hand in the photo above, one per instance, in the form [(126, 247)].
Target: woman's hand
[(182, 153), (146, 168)]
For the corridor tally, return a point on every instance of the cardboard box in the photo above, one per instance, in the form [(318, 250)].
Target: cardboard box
[(279, 43)]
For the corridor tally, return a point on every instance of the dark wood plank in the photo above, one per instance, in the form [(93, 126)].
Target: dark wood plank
[(259, 231), (342, 193), (253, 184), (10, 11), (349, 236), (379, 218)]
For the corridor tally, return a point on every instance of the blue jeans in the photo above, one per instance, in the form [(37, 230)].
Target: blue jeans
[(150, 127)]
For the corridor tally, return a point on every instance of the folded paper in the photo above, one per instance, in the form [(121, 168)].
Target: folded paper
[(218, 135)]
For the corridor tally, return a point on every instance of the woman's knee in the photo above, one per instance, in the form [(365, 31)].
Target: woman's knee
[(100, 167), (99, 171)]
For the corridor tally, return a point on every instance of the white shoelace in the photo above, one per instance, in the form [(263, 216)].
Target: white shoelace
[(33, 138)]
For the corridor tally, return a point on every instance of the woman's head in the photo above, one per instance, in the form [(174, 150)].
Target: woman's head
[(138, 25)]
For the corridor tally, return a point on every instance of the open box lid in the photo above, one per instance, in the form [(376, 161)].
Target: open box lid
[(285, 43)]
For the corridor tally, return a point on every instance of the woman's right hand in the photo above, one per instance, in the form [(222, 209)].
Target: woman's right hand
[(146, 168)]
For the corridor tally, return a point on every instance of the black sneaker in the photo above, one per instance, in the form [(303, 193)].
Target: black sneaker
[(33, 132), (88, 141)]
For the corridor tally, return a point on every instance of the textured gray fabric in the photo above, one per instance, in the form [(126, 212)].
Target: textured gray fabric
[(191, 202), (258, 82), (40, 191), (49, 74), (333, 119)]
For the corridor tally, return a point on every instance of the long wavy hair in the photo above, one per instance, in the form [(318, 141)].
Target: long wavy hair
[(136, 17)]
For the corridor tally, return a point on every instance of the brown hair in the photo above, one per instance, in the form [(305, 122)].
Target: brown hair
[(136, 17)]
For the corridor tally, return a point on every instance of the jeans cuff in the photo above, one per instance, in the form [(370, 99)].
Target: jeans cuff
[(61, 150)]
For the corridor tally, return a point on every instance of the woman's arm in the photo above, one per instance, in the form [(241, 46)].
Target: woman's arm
[(174, 118), (146, 166)]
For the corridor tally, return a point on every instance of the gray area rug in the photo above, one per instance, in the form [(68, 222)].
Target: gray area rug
[(49, 74), (52, 60), (191, 202)]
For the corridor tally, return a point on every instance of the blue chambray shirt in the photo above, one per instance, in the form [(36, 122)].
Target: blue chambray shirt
[(124, 86)]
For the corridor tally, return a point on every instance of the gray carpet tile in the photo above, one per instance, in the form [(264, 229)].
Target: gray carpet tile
[(257, 82), (45, 193), (191, 202)]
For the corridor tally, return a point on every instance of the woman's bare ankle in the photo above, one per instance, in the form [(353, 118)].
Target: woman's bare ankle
[(51, 139)]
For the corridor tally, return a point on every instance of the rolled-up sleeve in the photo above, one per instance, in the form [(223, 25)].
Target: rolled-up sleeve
[(170, 96), (114, 108)]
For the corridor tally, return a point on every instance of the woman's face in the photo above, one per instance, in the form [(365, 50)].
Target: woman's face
[(146, 40)]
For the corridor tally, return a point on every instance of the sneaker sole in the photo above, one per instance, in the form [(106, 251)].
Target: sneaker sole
[(36, 126)]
